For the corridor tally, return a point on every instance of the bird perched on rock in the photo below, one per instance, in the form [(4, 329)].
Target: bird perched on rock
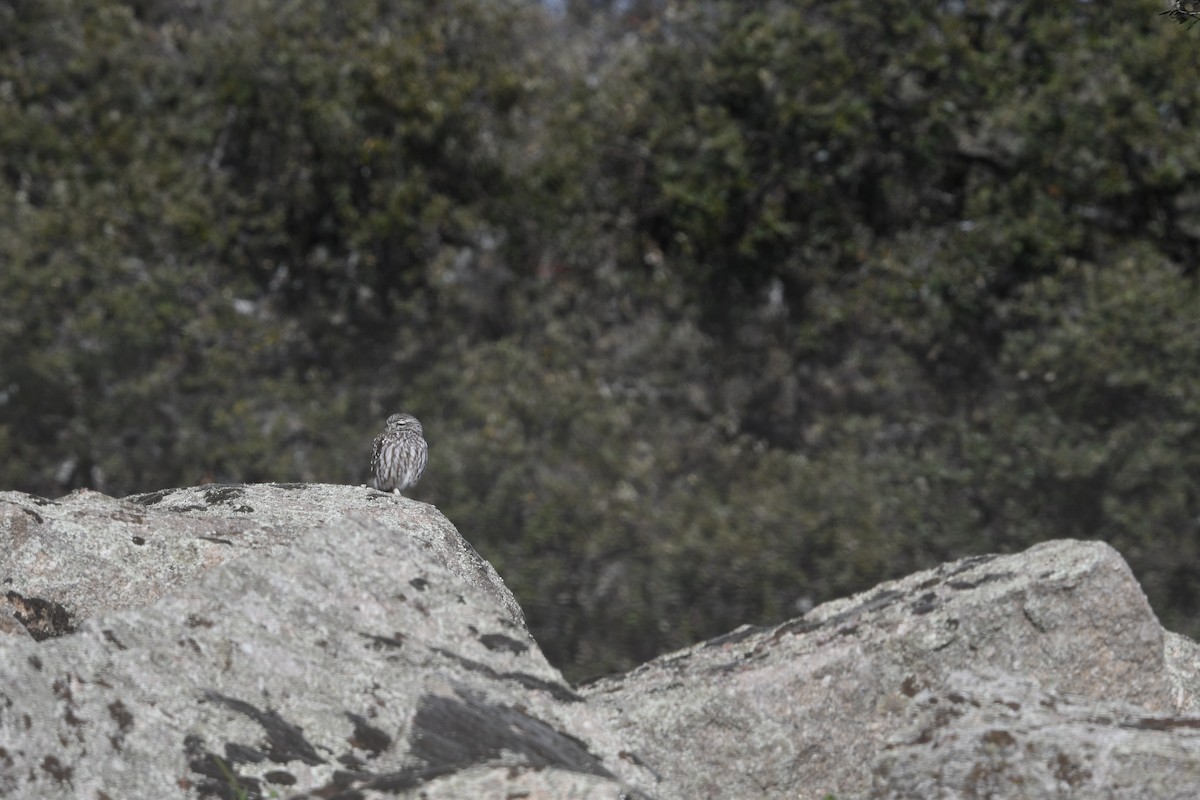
[(399, 455)]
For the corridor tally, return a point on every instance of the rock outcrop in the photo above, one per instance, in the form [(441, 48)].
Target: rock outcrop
[(367, 654), (86, 554), (804, 709), (334, 641)]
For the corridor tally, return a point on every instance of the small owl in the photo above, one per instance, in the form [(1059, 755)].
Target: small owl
[(399, 455)]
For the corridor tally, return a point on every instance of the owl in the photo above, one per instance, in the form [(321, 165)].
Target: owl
[(399, 455)]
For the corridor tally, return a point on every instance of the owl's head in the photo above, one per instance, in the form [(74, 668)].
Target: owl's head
[(404, 422)]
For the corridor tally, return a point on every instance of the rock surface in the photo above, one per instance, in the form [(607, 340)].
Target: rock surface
[(802, 709), (352, 663), (1007, 739), (70, 559), (333, 641)]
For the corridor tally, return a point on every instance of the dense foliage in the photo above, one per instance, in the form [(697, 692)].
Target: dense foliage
[(710, 313)]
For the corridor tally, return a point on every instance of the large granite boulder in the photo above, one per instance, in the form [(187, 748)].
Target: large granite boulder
[(367, 655), (70, 559), (337, 642), (804, 709)]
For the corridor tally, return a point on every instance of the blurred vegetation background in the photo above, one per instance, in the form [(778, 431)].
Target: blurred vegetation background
[(711, 310)]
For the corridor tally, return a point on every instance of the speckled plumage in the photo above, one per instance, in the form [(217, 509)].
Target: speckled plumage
[(399, 455)]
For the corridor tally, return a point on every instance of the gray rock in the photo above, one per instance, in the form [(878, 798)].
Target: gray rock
[(1007, 739), (801, 710), (70, 559), (354, 662), (1183, 670), (332, 641)]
